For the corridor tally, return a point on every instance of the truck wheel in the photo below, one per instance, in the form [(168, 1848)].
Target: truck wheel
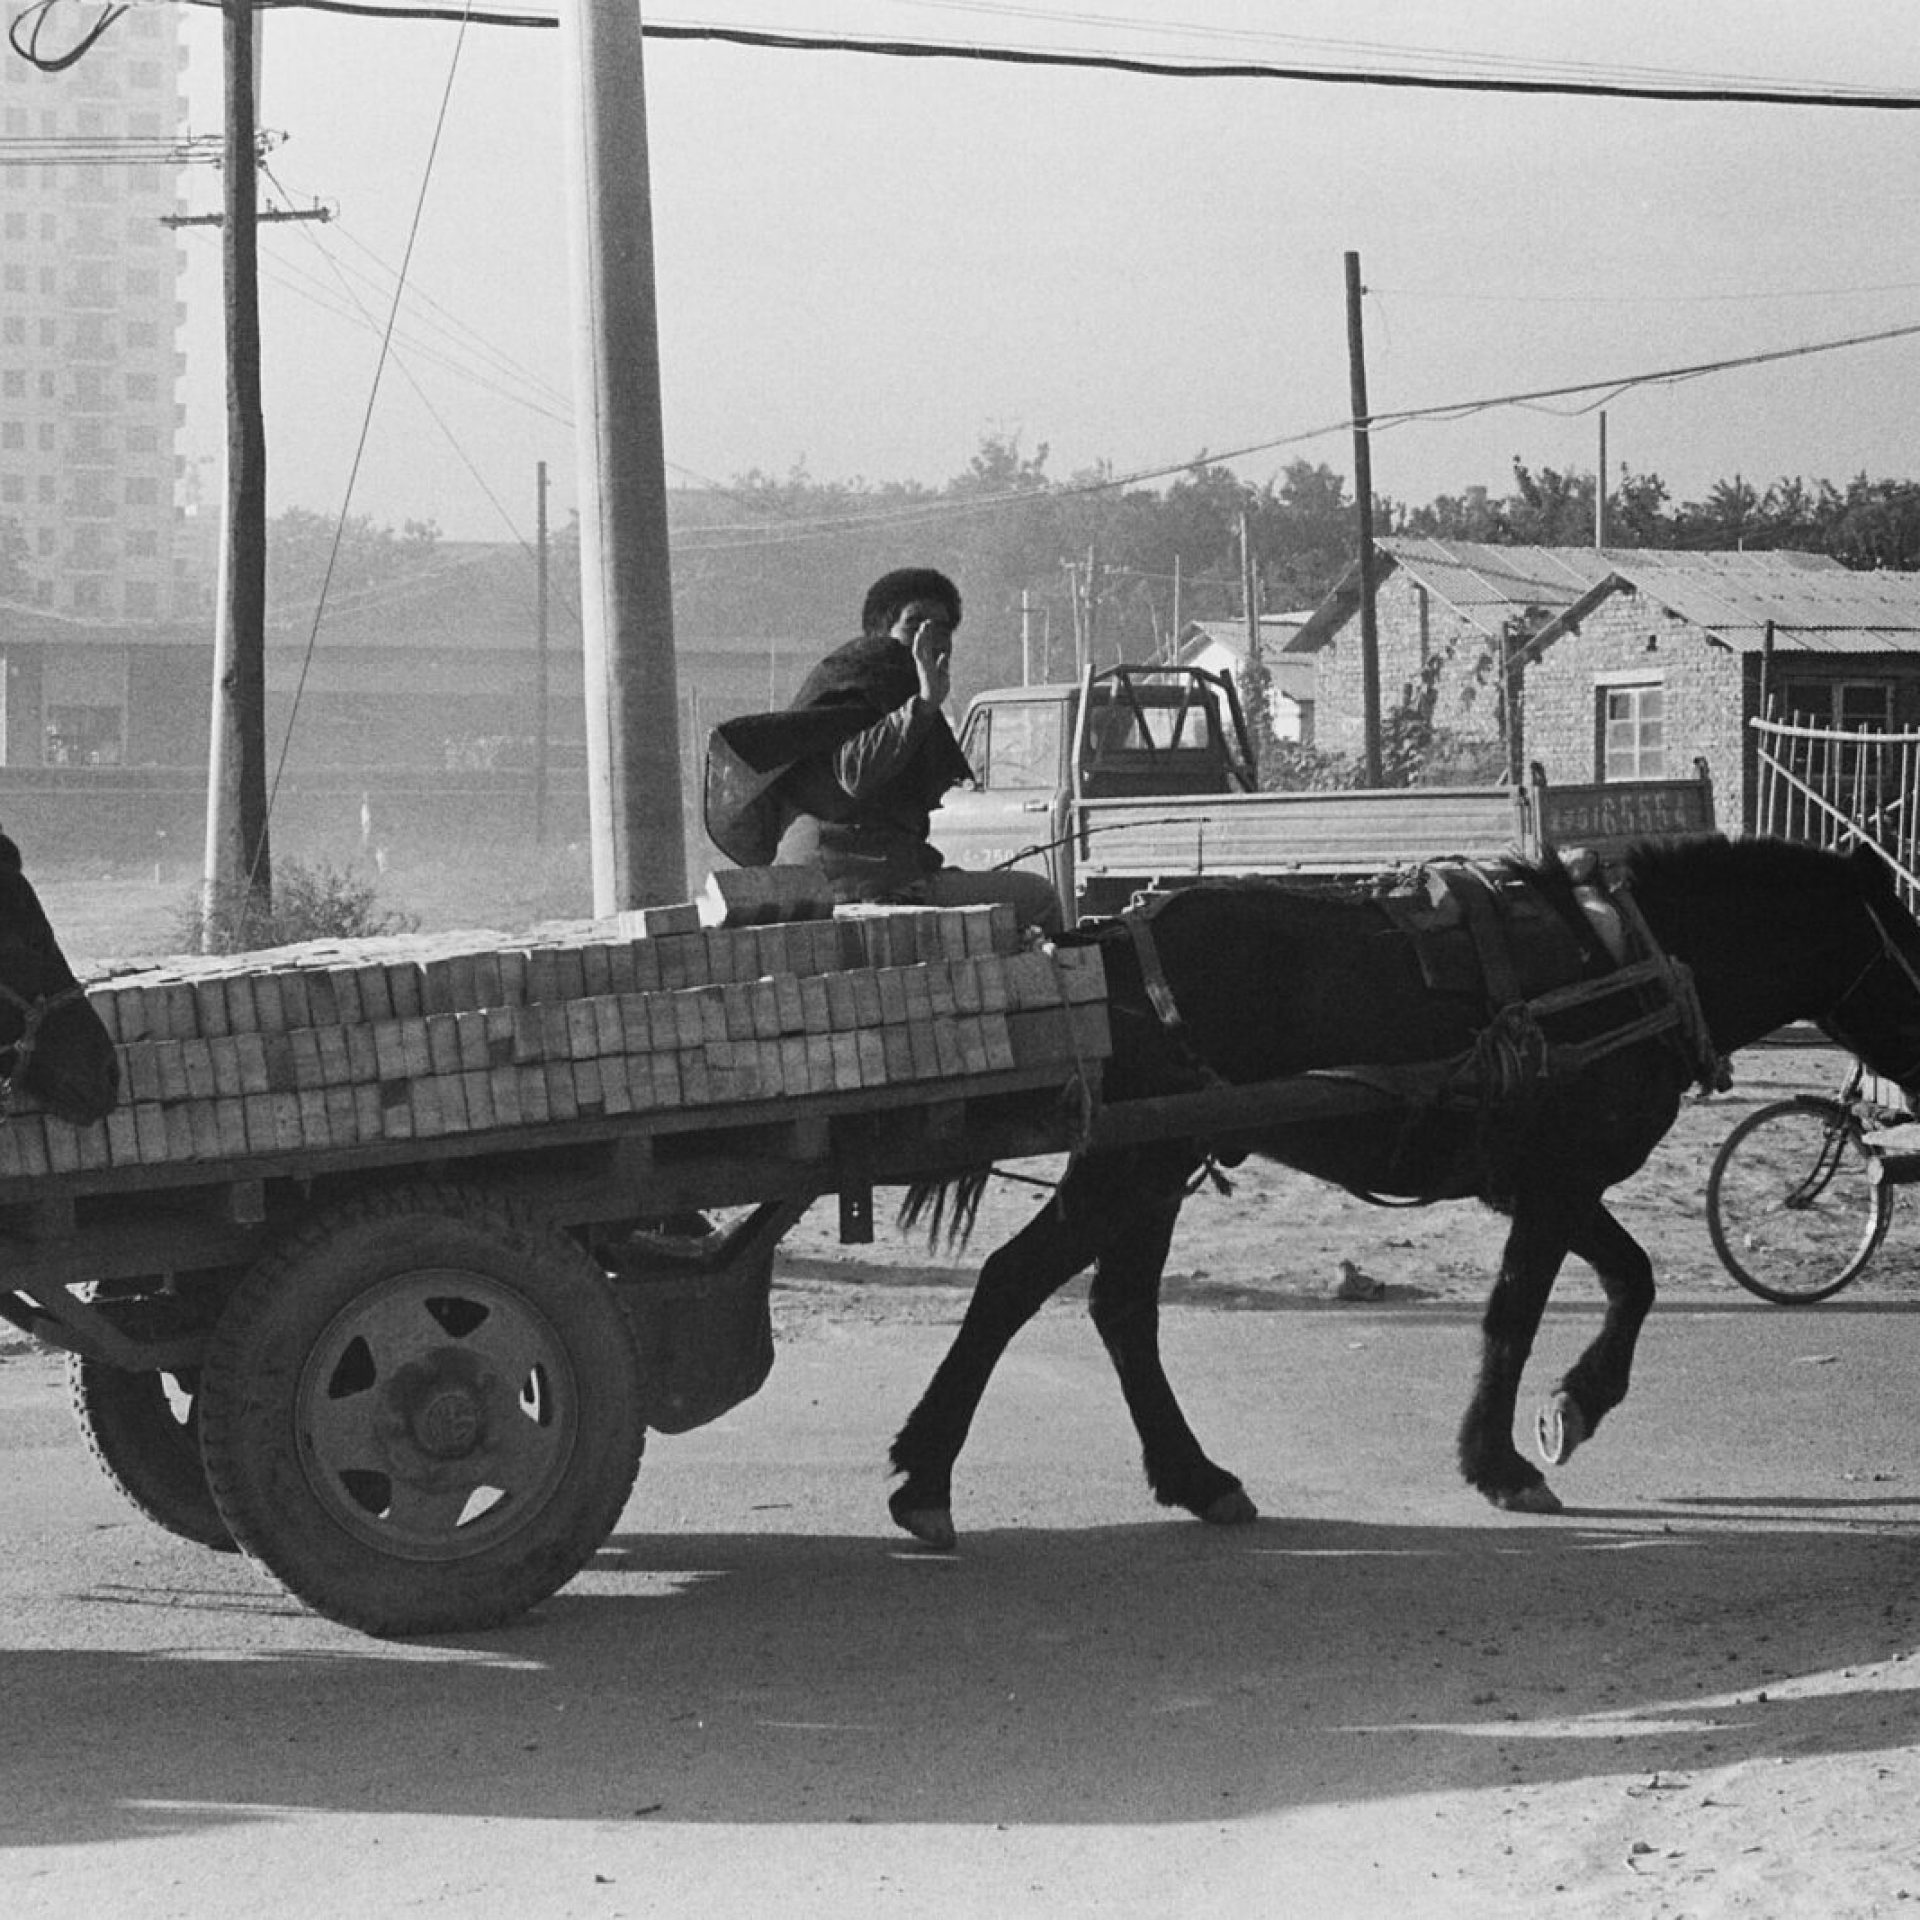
[(422, 1413), (144, 1430)]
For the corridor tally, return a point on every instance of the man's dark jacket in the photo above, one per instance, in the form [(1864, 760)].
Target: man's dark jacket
[(749, 760)]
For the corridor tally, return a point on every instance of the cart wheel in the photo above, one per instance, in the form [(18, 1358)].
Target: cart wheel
[(1792, 1207), (144, 1429), (422, 1413)]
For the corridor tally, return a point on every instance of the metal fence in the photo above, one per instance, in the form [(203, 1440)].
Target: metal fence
[(1838, 787)]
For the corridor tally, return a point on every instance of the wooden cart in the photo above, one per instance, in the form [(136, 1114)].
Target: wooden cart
[(400, 1337)]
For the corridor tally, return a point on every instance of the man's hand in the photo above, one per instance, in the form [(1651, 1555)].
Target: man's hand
[(933, 658)]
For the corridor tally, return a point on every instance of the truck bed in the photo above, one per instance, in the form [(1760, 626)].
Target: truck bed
[(1276, 834)]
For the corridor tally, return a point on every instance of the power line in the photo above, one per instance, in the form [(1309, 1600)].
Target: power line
[(99, 150), (1678, 90), (941, 506)]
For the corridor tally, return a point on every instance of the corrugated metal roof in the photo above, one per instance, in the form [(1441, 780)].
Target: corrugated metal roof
[(1486, 585), (1489, 585), (1477, 579), (1812, 610)]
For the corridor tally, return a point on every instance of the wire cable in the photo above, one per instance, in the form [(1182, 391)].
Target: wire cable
[(1565, 84), (359, 454)]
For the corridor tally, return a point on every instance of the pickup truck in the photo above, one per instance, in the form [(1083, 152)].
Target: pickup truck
[(1139, 778)]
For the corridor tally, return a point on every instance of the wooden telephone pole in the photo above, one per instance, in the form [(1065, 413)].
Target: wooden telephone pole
[(541, 693), (238, 871), (1363, 495)]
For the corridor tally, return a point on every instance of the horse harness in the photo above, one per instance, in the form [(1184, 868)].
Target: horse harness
[(1475, 930), (33, 1015)]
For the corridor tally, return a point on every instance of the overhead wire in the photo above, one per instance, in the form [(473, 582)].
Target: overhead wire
[(111, 150), (439, 420), (1590, 82), (540, 396), (943, 505), (366, 424)]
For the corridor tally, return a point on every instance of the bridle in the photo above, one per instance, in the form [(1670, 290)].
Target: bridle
[(33, 1016)]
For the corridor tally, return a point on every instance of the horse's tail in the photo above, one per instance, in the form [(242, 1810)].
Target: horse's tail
[(947, 1206)]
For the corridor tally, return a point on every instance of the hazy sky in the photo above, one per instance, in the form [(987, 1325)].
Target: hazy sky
[(866, 264)]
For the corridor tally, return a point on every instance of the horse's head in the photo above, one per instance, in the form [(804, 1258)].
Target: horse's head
[(51, 1041), (1877, 1013)]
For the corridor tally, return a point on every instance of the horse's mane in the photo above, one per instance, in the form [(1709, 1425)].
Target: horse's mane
[(1704, 862)]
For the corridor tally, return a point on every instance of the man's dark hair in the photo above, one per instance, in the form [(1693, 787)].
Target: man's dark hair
[(893, 591)]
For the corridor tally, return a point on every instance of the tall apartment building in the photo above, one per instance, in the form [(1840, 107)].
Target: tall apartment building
[(89, 325)]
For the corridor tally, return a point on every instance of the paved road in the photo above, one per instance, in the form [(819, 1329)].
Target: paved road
[(1384, 1698)]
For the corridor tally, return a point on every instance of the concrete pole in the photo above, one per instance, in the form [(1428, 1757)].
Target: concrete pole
[(626, 591)]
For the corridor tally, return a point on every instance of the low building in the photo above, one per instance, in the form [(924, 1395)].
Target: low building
[(1657, 666), (1461, 626), (1221, 647), (413, 702)]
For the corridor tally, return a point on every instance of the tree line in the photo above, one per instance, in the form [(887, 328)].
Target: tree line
[(1049, 563), (1087, 566)]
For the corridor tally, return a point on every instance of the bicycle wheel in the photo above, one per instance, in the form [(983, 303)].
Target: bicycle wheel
[(1791, 1209)]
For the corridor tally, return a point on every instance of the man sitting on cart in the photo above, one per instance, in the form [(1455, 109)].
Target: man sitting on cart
[(847, 778)]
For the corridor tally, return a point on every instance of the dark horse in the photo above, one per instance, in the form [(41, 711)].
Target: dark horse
[(1536, 1117), (52, 1044)]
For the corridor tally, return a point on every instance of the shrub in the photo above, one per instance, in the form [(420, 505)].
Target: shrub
[(317, 902)]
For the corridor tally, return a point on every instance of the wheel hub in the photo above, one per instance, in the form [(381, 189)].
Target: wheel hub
[(439, 1409), (449, 1425)]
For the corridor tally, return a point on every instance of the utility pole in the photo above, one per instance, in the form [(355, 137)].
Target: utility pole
[(1249, 590), (1026, 638), (626, 611), (238, 870), (1093, 604), (540, 696), (1363, 493), (1600, 489)]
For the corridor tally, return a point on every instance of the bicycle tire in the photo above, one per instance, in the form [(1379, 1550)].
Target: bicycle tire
[(1792, 1211)]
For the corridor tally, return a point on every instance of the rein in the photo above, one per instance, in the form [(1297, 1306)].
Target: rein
[(33, 1014)]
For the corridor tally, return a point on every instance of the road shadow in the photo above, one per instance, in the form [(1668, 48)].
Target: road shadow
[(1162, 1672)]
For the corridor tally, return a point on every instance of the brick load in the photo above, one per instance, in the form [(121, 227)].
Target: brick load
[(344, 1044)]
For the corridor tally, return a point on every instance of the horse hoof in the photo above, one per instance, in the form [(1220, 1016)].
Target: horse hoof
[(931, 1526), (1232, 1509), (1538, 1498), (1559, 1428)]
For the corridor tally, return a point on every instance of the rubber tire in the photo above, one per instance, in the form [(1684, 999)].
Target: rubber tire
[(148, 1447), (1857, 1216), (282, 1482)]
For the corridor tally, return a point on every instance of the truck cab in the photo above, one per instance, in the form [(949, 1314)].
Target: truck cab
[(1126, 732)]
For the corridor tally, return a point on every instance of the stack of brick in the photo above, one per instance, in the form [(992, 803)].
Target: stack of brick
[(336, 1045)]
